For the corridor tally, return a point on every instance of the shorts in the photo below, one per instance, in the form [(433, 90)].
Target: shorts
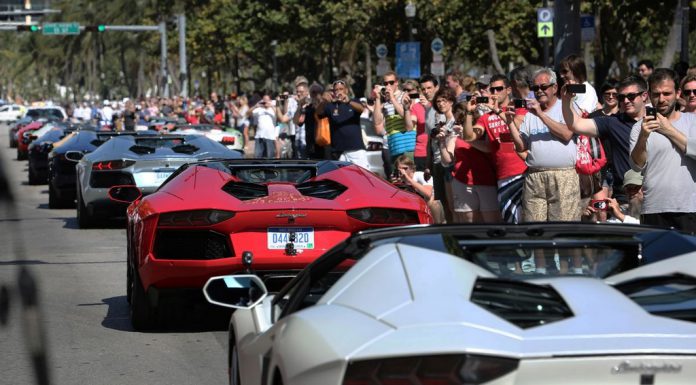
[(468, 198), (357, 157), (551, 195)]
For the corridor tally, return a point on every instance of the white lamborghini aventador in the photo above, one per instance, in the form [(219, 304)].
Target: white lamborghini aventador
[(464, 305)]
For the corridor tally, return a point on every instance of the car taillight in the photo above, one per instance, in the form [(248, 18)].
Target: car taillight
[(194, 217), (112, 165), (227, 140), (429, 370), (384, 216)]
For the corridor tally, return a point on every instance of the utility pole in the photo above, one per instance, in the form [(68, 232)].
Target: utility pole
[(163, 59), (566, 36), (182, 55), (684, 54)]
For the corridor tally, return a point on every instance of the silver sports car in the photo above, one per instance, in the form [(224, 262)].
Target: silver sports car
[(467, 305), (143, 161)]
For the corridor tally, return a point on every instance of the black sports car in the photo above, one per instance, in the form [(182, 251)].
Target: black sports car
[(61, 171)]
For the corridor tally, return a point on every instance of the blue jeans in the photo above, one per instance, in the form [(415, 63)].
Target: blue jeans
[(264, 148)]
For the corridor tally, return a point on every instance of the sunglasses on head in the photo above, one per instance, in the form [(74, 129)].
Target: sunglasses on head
[(389, 82), (542, 87), (688, 92), (630, 96), (339, 82)]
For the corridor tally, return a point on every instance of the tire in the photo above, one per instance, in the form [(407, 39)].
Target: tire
[(233, 368), (142, 313), (13, 142), (21, 155), (33, 178), (56, 202), (129, 269), (84, 219)]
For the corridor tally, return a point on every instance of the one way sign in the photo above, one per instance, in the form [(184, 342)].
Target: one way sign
[(545, 29)]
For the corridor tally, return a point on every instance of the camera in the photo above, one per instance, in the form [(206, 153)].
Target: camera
[(437, 129), (520, 103), (383, 94), (576, 88), (414, 96), (481, 99), (282, 96), (650, 111), (600, 204)]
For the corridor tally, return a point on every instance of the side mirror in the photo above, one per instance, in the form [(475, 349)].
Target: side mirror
[(235, 291), (125, 193), (74, 156)]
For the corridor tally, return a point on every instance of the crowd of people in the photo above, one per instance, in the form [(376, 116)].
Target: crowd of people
[(511, 147)]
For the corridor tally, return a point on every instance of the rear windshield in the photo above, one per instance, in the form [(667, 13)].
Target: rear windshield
[(45, 113), (159, 142)]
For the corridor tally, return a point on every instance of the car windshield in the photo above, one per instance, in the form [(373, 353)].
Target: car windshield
[(45, 113), (159, 142), (528, 258), (272, 174)]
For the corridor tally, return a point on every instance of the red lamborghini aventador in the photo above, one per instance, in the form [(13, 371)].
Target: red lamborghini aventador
[(273, 217)]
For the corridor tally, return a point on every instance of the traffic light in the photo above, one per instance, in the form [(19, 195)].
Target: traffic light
[(95, 28), (28, 28)]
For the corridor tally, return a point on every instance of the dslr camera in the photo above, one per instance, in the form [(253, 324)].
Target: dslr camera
[(438, 128)]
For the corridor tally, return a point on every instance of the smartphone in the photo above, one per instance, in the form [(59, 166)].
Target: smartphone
[(481, 99), (576, 88), (520, 103), (650, 111), (600, 204), (414, 96), (468, 97)]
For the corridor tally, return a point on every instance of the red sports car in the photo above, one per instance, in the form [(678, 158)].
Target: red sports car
[(220, 217)]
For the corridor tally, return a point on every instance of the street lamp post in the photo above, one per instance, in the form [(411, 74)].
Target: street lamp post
[(274, 44), (410, 10)]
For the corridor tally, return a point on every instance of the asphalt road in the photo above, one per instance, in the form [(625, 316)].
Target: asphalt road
[(81, 275)]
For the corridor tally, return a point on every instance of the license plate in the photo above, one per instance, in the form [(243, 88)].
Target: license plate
[(279, 237), (151, 179)]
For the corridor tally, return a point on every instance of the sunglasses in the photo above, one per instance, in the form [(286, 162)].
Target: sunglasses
[(610, 94), (688, 92), (408, 90), (339, 82), (389, 82), (542, 87), (497, 89), (632, 96)]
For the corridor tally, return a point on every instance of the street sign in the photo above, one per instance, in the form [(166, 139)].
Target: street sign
[(408, 60), (587, 25), (437, 68), (545, 29), (383, 67), (61, 29), (437, 45), (382, 51), (544, 15)]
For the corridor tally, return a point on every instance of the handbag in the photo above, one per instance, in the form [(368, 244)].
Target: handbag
[(323, 132)]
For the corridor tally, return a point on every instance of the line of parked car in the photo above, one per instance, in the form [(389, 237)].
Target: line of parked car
[(338, 277)]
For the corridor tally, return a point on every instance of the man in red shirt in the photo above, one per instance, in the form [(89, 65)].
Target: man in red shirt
[(493, 130)]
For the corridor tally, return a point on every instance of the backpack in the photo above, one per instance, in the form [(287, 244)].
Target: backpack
[(590, 155)]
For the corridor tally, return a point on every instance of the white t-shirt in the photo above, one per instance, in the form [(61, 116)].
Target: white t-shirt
[(265, 123), (419, 177), (586, 102)]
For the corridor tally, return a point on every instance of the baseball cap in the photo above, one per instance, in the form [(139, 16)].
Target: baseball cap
[(484, 79), (632, 177)]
